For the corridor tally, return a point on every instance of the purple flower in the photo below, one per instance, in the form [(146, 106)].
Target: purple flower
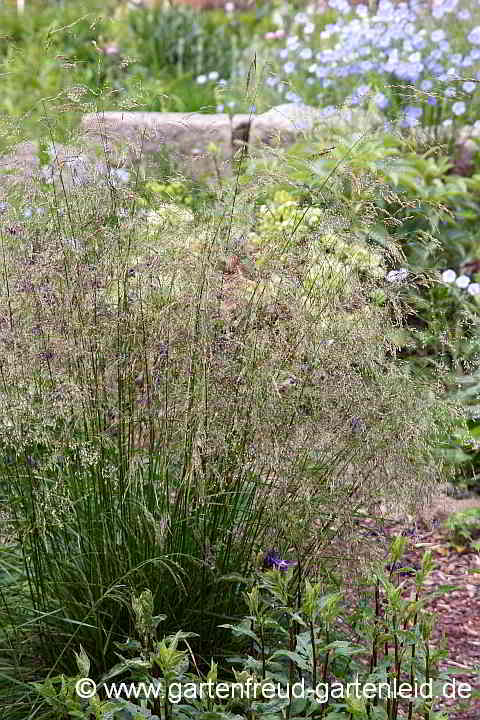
[(273, 561)]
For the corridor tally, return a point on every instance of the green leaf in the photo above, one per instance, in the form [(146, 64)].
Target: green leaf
[(343, 647), (241, 631), (300, 660)]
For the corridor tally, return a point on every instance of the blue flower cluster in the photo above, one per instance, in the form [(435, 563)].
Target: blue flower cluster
[(399, 45)]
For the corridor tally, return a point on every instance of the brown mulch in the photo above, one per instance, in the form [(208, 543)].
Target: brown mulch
[(457, 612)]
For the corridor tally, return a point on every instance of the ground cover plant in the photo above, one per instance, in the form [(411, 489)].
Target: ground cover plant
[(214, 378)]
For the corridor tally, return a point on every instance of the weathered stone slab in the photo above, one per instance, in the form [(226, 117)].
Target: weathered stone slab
[(200, 143), (284, 124)]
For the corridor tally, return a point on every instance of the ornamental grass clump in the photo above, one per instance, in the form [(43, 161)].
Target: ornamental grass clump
[(180, 393)]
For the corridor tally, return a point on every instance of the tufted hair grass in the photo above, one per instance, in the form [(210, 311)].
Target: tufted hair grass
[(177, 397)]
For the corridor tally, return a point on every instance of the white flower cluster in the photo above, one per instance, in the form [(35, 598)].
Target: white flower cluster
[(462, 281), (397, 276)]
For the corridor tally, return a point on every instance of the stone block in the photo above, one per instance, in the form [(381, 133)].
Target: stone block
[(143, 136), (284, 124)]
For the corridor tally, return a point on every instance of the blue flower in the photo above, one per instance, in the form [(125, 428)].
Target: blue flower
[(469, 86), (293, 97), (412, 116), (328, 111), (306, 54), (121, 175), (449, 276), (381, 101), (438, 36), (474, 36), (301, 18), (459, 108), (436, 69)]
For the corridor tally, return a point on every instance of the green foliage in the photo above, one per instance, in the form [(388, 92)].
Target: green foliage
[(395, 192), (182, 40), (181, 417), (296, 634), (90, 55), (208, 374), (464, 527), (186, 193)]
